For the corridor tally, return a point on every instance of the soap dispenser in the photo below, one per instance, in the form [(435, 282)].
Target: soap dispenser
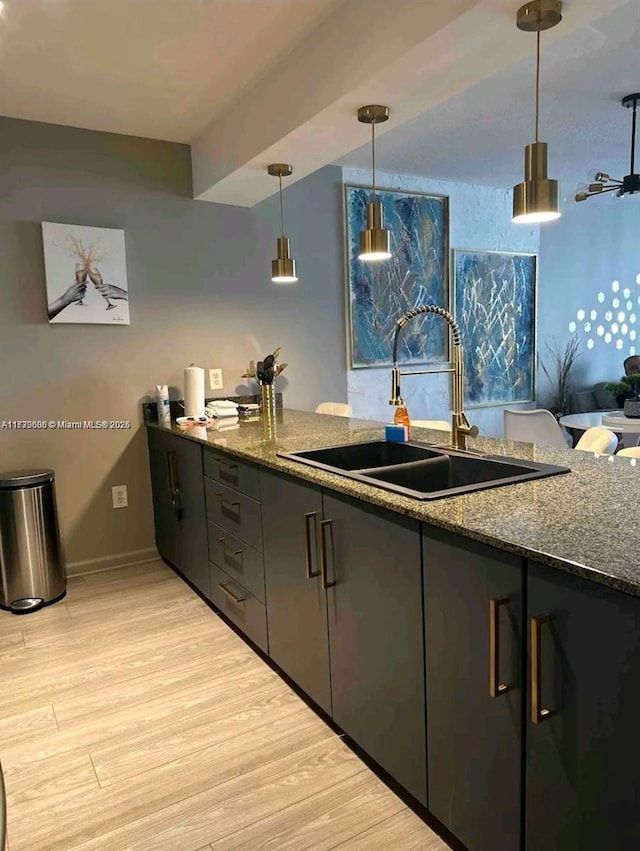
[(401, 417)]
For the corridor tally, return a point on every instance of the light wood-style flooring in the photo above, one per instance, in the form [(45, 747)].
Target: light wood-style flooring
[(132, 717)]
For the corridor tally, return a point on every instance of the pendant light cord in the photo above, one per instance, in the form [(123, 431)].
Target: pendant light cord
[(633, 138), (538, 82), (373, 156), (281, 205)]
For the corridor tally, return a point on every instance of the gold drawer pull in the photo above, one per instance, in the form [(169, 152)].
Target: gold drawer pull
[(227, 549), (229, 509), (325, 526), (538, 714), (226, 590), (225, 471), (496, 688), (311, 515)]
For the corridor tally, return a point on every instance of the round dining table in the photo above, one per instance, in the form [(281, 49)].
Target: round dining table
[(613, 420)]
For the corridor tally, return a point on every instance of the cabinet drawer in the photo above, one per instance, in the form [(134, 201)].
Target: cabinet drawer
[(243, 564), (235, 512), (247, 613), (241, 475)]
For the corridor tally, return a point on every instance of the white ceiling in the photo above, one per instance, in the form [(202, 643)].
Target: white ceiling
[(478, 136), (156, 68), (249, 82)]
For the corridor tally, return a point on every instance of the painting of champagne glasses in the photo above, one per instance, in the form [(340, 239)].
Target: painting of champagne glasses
[(86, 274)]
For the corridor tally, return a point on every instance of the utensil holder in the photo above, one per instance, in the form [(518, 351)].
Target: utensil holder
[(268, 409)]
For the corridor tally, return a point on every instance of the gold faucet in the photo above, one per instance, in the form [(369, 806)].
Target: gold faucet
[(460, 427)]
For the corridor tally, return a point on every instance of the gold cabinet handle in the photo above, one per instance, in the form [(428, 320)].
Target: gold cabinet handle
[(3, 812), (538, 714), (308, 554), (225, 471), (226, 590), (177, 504), (171, 471), (496, 688), (228, 551), (325, 526), (174, 487), (229, 509)]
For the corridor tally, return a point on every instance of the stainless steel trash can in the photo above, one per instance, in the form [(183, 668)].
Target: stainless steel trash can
[(31, 564)]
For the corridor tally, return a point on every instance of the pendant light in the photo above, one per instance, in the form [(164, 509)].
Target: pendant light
[(283, 269), (375, 240), (536, 199)]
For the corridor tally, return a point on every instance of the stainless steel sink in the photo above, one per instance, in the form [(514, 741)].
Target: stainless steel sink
[(420, 471)]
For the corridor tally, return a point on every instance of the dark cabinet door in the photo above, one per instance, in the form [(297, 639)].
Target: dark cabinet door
[(474, 658), (164, 511), (372, 568), (296, 600), (583, 708), (178, 505)]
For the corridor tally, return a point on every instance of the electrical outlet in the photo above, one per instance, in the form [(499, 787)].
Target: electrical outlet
[(119, 496), (215, 379)]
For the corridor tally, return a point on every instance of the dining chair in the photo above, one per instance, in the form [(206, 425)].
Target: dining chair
[(598, 439), (629, 452), (537, 426), (338, 409), (438, 425)]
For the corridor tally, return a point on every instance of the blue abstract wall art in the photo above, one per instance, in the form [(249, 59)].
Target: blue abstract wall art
[(495, 303), (417, 273)]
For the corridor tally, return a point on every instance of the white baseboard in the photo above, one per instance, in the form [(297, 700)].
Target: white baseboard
[(98, 565)]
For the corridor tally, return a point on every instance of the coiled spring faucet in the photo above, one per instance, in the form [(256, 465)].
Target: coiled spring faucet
[(460, 427)]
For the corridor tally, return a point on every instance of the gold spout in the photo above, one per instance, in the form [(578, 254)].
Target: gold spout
[(396, 399)]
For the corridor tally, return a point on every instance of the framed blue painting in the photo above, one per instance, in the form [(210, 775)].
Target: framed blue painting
[(417, 273), (495, 307)]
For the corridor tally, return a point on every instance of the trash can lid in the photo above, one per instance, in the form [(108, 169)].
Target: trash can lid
[(25, 478)]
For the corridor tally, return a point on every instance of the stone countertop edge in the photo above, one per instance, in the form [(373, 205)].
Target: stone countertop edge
[(586, 522)]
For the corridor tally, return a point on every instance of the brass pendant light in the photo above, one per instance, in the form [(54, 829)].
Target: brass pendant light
[(375, 240), (283, 268), (536, 199)]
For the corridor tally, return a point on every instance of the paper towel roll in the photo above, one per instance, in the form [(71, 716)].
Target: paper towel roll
[(193, 391)]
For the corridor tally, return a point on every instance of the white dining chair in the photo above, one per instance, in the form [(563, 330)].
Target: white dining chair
[(599, 440), (438, 425), (629, 452), (338, 409), (537, 426)]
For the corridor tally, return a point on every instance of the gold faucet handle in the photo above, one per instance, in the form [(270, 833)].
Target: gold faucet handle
[(469, 430), (464, 427)]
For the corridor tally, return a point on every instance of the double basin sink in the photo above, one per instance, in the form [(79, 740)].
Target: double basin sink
[(421, 471)]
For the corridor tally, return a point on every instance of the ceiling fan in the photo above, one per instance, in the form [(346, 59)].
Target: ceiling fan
[(630, 184)]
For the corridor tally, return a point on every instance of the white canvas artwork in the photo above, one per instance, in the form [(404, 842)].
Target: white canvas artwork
[(86, 274)]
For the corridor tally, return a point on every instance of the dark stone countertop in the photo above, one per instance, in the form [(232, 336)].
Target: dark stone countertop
[(586, 522)]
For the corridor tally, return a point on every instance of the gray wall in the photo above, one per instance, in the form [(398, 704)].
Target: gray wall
[(200, 291), (593, 245)]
